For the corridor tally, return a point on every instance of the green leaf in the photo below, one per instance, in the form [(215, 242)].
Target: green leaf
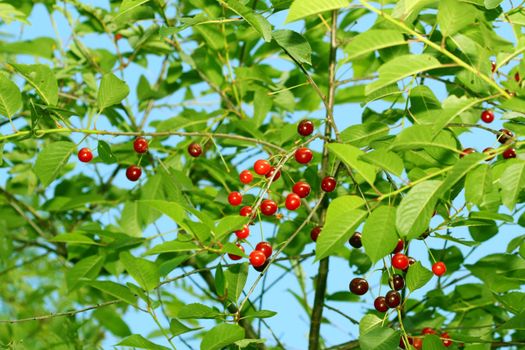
[(361, 135), (244, 343), (304, 8), (111, 91), (257, 21), (517, 322), (10, 97), (114, 289), (448, 114), (400, 68), (512, 182), (463, 167), (432, 342), (85, 268), (9, 14), (349, 155), (380, 338), (52, 159), (295, 44), (178, 328), (105, 153), (416, 209), (42, 79), (172, 247), (477, 183), (236, 276), (74, 238), (138, 341), (492, 4), (196, 310), (372, 40), (145, 272), (260, 314), (369, 322), (420, 136), (389, 161), (220, 281), (379, 233), (342, 218), (417, 276), (454, 16), (129, 5), (221, 336)]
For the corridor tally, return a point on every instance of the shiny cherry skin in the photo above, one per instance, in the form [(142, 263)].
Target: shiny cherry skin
[(397, 282), (264, 247), (380, 304), (355, 240), (140, 145), (305, 127), (262, 267), (487, 116), (328, 184), (428, 330), (399, 247), (358, 286), (243, 233), (85, 155), (509, 153), (133, 173), (393, 299), (466, 152), (246, 177), (303, 155), (490, 152), (302, 189), (269, 174), (236, 257), (257, 258), (293, 201), (246, 211), (439, 268), (261, 167), (505, 136), (268, 207), (492, 66), (417, 343), (446, 339), (314, 233), (195, 150), (235, 198), (400, 261), (411, 261)]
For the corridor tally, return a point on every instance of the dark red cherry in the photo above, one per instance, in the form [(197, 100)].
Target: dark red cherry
[(397, 282), (195, 150), (358, 286), (133, 173), (236, 257), (380, 304), (505, 136), (466, 151), (140, 145), (305, 127), (393, 299), (314, 233), (509, 153), (355, 240), (328, 184)]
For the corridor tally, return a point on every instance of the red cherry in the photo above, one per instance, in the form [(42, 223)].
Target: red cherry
[(305, 127), (358, 286), (493, 66), (133, 173), (411, 261), (439, 268), (195, 150), (355, 240), (466, 152), (118, 36), (490, 152), (293, 201), (428, 330), (268, 207), (246, 176), (85, 155), (269, 174), (302, 189), (315, 233), (393, 299), (261, 167), (245, 211), (303, 155), (380, 304), (236, 257), (509, 153), (264, 247), (417, 343), (487, 116), (446, 339), (235, 198), (399, 247), (243, 233), (397, 282), (400, 261), (257, 258), (140, 145), (517, 77), (328, 184), (505, 136)]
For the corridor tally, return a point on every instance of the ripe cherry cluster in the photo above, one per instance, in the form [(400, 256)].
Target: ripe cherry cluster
[(504, 137), (269, 207), (399, 261), (417, 342)]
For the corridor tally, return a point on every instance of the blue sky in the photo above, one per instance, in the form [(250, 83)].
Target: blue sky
[(291, 324)]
